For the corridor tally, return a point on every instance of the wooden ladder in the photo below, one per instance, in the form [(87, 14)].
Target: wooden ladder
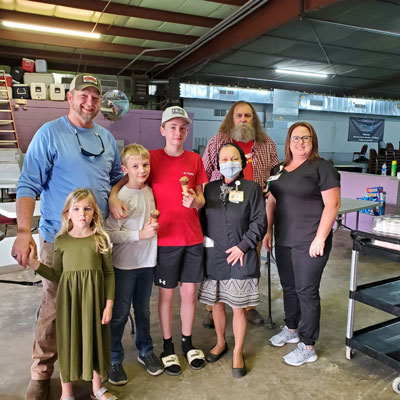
[(8, 130)]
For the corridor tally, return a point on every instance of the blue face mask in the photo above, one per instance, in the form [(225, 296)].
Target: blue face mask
[(230, 169)]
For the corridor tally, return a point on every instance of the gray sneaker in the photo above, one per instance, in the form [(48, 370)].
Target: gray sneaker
[(151, 363), (300, 355), (283, 337)]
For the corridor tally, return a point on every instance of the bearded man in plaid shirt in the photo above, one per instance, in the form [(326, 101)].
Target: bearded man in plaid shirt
[(242, 126)]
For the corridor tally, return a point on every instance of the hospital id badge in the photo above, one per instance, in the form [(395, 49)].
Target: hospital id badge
[(236, 196), (274, 177)]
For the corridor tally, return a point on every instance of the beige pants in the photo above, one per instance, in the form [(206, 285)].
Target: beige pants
[(44, 352), (259, 246)]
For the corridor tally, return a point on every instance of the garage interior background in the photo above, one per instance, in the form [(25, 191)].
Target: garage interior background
[(155, 50)]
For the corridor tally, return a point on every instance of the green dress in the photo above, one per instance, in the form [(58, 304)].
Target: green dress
[(86, 281)]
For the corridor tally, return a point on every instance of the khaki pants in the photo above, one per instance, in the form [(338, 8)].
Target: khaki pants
[(44, 352), (259, 246)]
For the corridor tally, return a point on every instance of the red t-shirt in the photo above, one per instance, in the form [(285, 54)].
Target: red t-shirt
[(178, 225), (247, 147)]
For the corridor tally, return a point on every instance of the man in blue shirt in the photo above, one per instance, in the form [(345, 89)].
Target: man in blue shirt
[(69, 152)]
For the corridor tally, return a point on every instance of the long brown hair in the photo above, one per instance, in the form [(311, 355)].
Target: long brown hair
[(314, 141), (227, 124), (103, 243)]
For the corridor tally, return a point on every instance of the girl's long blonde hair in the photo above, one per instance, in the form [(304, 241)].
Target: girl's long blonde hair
[(102, 241)]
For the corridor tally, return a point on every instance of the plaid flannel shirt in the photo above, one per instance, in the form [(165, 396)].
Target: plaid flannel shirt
[(264, 158)]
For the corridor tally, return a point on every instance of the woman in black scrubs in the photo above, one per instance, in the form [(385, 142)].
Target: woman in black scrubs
[(233, 221), (302, 205)]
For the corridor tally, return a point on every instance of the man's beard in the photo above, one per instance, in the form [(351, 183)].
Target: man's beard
[(243, 133), (86, 117)]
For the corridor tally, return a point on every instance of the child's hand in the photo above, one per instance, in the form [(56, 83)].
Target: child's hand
[(189, 199), (107, 315), (33, 261), (149, 231)]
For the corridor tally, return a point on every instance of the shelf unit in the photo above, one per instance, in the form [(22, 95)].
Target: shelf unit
[(380, 341)]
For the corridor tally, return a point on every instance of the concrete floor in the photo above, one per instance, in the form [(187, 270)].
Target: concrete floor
[(331, 377)]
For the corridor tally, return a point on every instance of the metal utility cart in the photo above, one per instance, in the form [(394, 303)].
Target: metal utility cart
[(380, 341)]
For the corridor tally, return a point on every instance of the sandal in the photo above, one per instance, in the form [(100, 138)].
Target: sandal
[(100, 392), (193, 355), (171, 364)]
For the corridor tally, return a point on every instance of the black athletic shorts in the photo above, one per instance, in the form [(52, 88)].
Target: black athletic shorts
[(179, 264)]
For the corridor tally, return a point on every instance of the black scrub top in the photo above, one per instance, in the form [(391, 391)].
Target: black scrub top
[(299, 203), (230, 224)]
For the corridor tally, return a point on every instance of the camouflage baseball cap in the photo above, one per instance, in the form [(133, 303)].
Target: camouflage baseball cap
[(82, 81)]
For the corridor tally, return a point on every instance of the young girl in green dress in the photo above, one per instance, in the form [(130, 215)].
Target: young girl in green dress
[(82, 265)]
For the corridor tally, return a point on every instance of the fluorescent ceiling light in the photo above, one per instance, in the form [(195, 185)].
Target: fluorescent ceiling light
[(300, 73), (50, 29)]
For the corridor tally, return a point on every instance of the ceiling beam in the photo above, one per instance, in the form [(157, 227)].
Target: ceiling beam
[(237, 3), (137, 12), (60, 57), (78, 43), (104, 29)]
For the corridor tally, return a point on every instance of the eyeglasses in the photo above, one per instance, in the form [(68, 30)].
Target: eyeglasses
[(88, 153), (304, 139)]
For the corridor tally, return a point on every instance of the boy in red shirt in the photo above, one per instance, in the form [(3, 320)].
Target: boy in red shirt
[(179, 236)]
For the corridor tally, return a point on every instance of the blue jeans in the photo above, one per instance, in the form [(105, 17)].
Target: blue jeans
[(132, 287)]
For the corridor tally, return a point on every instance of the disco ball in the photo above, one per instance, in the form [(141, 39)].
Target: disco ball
[(114, 105)]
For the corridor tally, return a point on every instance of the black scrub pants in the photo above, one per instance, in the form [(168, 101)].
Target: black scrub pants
[(300, 277)]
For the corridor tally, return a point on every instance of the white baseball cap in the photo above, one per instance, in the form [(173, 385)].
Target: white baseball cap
[(175, 112)]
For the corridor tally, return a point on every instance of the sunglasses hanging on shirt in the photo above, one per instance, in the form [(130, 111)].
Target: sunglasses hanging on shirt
[(88, 153)]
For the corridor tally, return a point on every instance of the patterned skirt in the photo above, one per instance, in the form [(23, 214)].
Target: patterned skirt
[(237, 293)]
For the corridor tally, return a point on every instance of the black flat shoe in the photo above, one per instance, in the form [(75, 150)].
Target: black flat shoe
[(212, 358), (239, 372)]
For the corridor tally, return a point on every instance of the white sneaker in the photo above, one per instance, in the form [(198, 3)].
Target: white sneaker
[(300, 355), (283, 337)]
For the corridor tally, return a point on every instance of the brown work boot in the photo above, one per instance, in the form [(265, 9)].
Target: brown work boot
[(208, 321), (37, 390), (254, 317)]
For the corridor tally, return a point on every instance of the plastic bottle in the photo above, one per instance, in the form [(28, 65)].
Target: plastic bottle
[(383, 172), (394, 168)]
